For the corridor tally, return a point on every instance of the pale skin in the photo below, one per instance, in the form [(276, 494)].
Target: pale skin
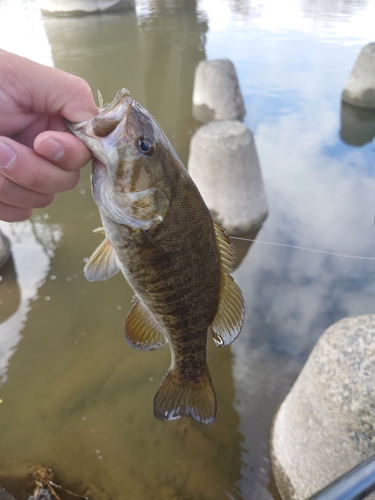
[(38, 156)]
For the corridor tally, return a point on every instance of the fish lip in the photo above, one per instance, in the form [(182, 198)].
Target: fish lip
[(123, 111), (84, 132), (120, 108), (72, 125), (121, 95)]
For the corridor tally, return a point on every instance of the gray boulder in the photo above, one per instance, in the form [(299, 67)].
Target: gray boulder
[(360, 87), (224, 164), (40, 494), (326, 424), (79, 7), (216, 94), (4, 495)]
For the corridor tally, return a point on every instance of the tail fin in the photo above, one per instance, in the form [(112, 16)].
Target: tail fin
[(178, 397)]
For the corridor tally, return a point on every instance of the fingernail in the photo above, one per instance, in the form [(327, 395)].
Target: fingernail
[(51, 149), (7, 155)]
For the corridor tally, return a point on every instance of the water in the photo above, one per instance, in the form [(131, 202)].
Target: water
[(75, 398)]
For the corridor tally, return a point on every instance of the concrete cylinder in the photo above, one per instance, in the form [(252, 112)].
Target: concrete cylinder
[(357, 124), (224, 164), (325, 426), (79, 7), (216, 94), (360, 87)]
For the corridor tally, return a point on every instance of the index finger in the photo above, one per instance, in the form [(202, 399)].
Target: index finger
[(63, 149), (48, 90)]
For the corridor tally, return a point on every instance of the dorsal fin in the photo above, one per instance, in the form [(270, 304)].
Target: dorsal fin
[(141, 330), (229, 316), (102, 263)]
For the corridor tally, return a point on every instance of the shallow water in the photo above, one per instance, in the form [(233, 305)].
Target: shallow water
[(75, 398)]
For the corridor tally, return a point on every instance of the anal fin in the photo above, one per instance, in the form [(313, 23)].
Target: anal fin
[(180, 397), (141, 330), (229, 317)]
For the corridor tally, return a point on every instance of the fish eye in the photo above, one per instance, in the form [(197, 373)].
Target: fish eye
[(145, 146)]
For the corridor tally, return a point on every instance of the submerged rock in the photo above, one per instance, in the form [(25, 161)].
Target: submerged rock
[(4, 249), (224, 164), (360, 87), (326, 424), (216, 94), (4, 495), (40, 494), (79, 7)]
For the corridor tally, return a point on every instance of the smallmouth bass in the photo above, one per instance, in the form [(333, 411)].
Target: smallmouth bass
[(175, 256)]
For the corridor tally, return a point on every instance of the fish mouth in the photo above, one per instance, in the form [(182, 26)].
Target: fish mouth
[(98, 132)]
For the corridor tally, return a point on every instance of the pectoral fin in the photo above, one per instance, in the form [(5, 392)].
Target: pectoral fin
[(102, 263), (229, 316), (162, 256), (141, 330)]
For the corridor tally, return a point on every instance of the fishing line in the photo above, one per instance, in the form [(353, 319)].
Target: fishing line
[(359, 257)]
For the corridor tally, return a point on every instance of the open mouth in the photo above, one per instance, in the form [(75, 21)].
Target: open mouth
[(98, 133)]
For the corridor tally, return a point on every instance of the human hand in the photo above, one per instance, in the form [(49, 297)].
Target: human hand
[(38, 156)]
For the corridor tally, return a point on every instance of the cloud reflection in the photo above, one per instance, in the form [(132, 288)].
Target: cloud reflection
[(32, 245), (22, 31), (316, 201), (305, 16)]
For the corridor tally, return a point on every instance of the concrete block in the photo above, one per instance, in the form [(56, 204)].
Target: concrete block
[(326, 424), (357, 124), (360, 87), (216, 94), (224, 164), (79, 7)]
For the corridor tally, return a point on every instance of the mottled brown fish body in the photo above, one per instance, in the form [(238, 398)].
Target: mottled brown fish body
[(161, 235), (174, 287)]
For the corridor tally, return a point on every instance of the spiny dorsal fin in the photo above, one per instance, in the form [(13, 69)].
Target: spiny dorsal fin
[(229, 316), (180, 397), (141, 330), (100, 99), (102, 263)]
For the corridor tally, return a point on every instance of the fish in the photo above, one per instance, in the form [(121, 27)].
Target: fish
[(160, 234)]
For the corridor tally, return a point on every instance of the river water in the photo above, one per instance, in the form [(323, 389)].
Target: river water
[(73, 396)]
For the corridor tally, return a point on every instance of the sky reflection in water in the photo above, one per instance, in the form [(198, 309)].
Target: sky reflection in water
[(292, 65), (292, 59)]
